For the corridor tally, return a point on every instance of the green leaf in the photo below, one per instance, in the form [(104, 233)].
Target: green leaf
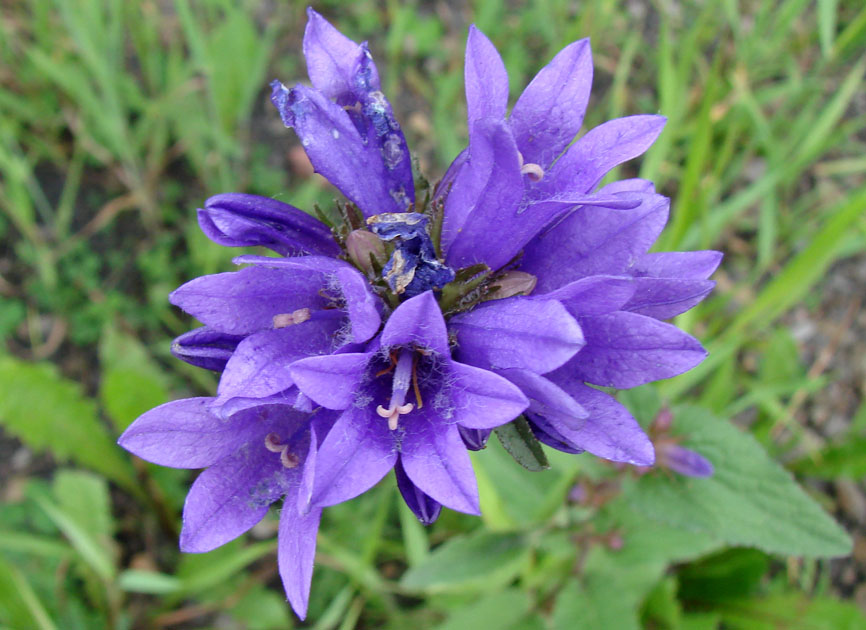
[(730, 574), (91, 550), (793, 611), (497, 610), (840, 460), (522, 445), (749, 501), (132, 382), (200, 572), (511, 498), (84, 497), (263, 609), (19, 604), (151, 582), (596, 602), (661, 609), (49, 413), (482, 560)]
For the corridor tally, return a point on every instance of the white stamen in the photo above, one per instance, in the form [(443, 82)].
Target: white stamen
[(299, 316), (534, 171), (393, 413), (287, 459), (273, 444)]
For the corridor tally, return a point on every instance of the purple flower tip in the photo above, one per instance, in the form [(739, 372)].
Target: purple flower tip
[(683, 460)]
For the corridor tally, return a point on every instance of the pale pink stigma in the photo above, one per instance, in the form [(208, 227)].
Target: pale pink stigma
[(299, 316), (393, 413), (399, 387)]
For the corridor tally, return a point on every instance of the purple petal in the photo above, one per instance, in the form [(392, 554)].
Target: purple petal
[(322, 266), (550, 111), (546, 433), (304, 491), (331, 381), (595, 295), (231, 496), (563, 201), (357, 453), (625, 350), (683, 461), (205, 348), (633, 185), (331, 58), (184, 434), (609, 432), (287, 398), (436, 461), (526, 333), (337, 150), (482, 399), (684, 265), (594, 241), (589, 159), (547, 399), (485, 77), (363, 305), (260, 365), (474, 439), (446, 184), (296, 554), (239, 220), (485, 198), (417, 321), (425, 509), (245, 301), (663, 298)]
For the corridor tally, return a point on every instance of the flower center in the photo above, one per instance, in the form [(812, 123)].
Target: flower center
[(413, 267), (404, 376)]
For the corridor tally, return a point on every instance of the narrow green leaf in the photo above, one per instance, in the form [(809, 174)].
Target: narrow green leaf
[(199, 572), (19, 603), (826, 25), (89, 548), (522, 445), (150, 582)]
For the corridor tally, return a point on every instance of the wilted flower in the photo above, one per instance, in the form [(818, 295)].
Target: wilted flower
[(418, 323)]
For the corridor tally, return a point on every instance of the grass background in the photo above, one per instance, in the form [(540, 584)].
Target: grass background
[(117, 120)]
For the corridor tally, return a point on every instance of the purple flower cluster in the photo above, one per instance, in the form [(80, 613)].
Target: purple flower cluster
[(400, 336)]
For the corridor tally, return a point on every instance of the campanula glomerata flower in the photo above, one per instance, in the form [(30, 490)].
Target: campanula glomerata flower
[(398, 336)]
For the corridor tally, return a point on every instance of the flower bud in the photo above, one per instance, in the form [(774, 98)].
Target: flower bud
[(361, 245), (240, 220), (206, 348), (474, 439), (511, 284), (683, 460)]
